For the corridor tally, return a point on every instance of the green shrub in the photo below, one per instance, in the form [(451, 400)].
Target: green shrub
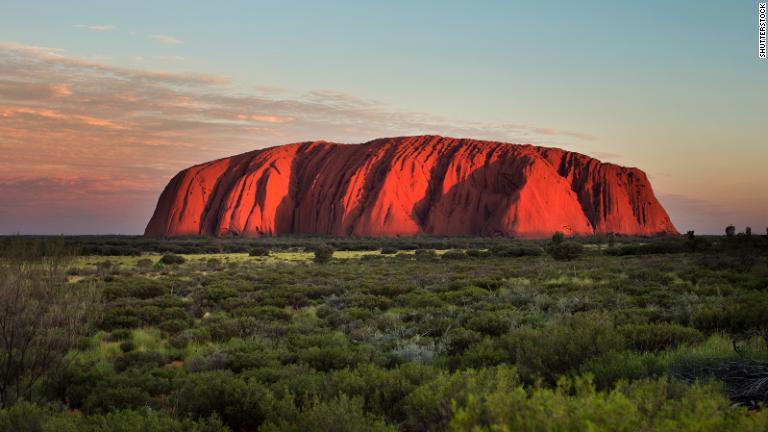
[(429, 407), (328, 358), (140, 288), (341, 414), (517, 251), (172, 259), (460, 339), (748, 314), (179, 341), (259, 251), (666, 246), (221, 328), (119, 335), (108, 398), (26, 417), (389, 250), (241, 405), (250, 354), (425, 254), (173, 326), (263, 313), (657, 337), (214, 264), (139, 359), (478, 253), (323, 253), (148, 420), (126, 346), (454, 254), (144, 264), (558, 238), (566, 251), (562, 346), (486, 353), (614, 366), (489, 323), (576, 405), (463, 296)]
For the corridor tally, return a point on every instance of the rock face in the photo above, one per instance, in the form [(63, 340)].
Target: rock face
[(409, 186)]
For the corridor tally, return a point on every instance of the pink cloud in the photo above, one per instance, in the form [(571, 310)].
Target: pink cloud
[(264, 118), (165, 39), (96, 27), (8, 112)]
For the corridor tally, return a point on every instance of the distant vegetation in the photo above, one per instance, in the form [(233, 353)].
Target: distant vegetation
[(411, 334), (323, 253)]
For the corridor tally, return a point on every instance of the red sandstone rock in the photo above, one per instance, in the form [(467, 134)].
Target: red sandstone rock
[(409, 186)]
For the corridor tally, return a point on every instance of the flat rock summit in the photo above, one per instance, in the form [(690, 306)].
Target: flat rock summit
[(409, 186)]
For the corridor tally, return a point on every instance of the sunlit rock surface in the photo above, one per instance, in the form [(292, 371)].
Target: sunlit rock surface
[(409, 186)]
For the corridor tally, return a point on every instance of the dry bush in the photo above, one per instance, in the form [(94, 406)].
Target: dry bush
[(42, 316)]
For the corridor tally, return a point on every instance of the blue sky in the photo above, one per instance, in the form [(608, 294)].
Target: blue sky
[(674, 88)]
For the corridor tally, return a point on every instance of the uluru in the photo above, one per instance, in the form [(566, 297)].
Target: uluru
[(407, 186)]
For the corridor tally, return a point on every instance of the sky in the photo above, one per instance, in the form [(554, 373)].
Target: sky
[(101, 103)]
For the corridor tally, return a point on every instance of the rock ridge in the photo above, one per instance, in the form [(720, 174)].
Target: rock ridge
[(408, 186)]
